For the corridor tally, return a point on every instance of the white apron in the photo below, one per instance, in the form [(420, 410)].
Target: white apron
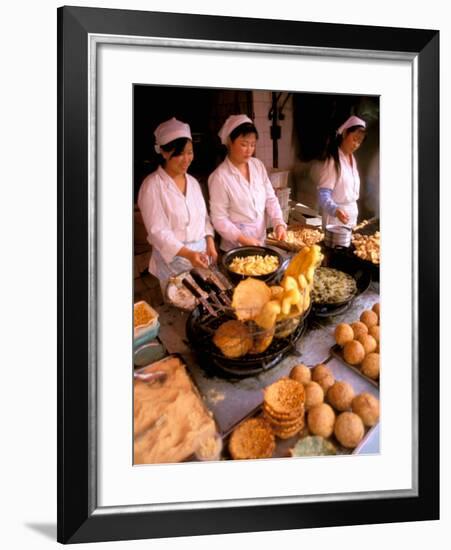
[(164, 271), (350, 209), (345, 188)]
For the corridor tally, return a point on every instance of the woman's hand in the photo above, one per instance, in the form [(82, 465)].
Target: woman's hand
[(341, 215), (211, 250), (281, 232), (248, 241), (198, 259)]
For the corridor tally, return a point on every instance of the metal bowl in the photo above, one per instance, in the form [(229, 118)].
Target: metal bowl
[(245, 251), (336, 236)]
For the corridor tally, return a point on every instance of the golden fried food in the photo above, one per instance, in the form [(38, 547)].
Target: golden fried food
[(314, 395), (321, 420), (290, 298), (359, 328), (142, 314), (286, 433), (376, 309), (343, 334), (340, 395), (367, 247), (353, 352), (266, 319), (369, 317), (249, 297), (368, 342), (233, 338), (367, 407), (301, 373), (302, 236), (285, 397), (276, 291), (374, 331), (349, 429), (323, 375), (282, 420), (254, 265), (370, 366), (252, 439)]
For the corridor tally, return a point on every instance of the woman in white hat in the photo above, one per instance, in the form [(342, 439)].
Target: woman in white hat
[(338, 177), (240, 190), (173, 207)]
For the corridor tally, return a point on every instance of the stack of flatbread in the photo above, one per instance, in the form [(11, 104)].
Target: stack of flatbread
[(283, 407)]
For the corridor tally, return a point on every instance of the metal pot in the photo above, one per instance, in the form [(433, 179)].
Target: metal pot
[(337, 236), (244, 251)]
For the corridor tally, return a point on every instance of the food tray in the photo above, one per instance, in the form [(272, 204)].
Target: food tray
[(370, 441), (159, 414), (144, 332), (337, 352), (291, 247)]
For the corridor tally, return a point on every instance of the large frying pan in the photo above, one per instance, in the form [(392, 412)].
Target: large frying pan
[(350, 264)]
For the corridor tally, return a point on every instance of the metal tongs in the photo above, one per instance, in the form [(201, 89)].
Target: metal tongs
[(220, 283), (198, 293), (216, 289)]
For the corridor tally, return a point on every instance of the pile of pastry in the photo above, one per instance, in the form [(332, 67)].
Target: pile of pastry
[(359, 342), (258, 307), (326, 413)]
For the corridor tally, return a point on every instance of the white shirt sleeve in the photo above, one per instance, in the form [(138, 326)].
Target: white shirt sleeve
[(327, 174), (159, 232)]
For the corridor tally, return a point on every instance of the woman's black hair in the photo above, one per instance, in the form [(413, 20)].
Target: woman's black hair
[(175, 147), (243, 130)]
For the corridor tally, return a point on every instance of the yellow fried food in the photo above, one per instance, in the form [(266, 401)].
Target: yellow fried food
[(233, 339), (254, 265), (290, 298), (289, 283), (294, 267), (349, 429), (267, 317), (276, 291), (249, 297), (301, 373), (302, 281)]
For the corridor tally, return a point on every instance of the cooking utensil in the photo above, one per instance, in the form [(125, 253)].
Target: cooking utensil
[(243, 252), (203, 279), (336, 236), (151, 376), (216, 285), (342, 261), (200, 329), (198, 293)]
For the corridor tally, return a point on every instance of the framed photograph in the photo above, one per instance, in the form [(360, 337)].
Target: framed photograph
[(121, 74)]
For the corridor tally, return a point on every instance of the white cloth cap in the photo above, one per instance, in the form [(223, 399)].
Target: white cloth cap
[(170, 130), (352, 121), (230, 124)]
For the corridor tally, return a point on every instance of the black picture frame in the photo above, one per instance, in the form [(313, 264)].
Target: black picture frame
[(79, 517)]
